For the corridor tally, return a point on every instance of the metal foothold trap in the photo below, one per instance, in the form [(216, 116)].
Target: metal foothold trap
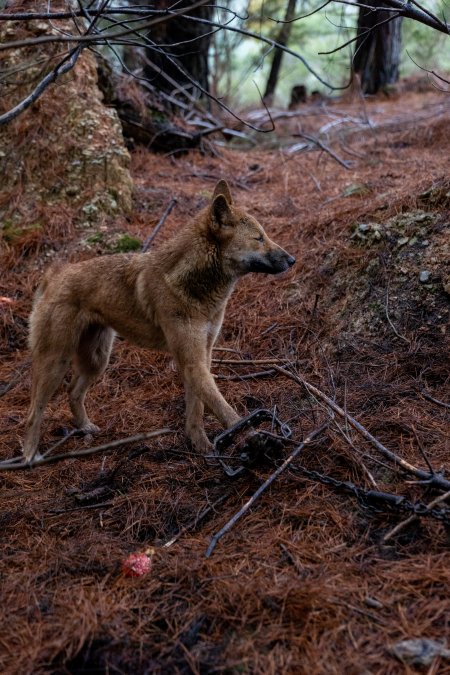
[(256, 448)]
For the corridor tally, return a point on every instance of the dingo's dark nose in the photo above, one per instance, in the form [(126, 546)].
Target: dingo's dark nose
[(290, 260)]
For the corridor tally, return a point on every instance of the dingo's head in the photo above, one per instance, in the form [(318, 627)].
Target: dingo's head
[(244, 245)]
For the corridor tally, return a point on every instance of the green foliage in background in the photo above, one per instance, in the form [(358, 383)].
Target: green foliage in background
[(241, 65)]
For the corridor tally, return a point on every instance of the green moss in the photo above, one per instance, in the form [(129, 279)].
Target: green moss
[(127, 243), (95, 238)]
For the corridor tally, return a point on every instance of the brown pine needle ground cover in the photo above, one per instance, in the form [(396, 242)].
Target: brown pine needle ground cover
[(303, 582)]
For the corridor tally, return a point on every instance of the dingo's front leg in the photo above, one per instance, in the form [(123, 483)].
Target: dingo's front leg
[(190, 349)]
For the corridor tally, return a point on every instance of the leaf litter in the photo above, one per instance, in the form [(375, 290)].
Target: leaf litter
[(286, 591)]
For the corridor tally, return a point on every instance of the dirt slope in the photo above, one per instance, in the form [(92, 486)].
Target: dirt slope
[(303, 583)]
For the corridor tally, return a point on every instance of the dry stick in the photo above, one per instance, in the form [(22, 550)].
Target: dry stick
[(358, 610), (162, 220), (11, 466), (226, 349), (248, 362), (434, 400), (361, 463), (63, 66), (87, 38), (226, 528), (325, 148), (434, 480), (86, 507), (61, 441), (422, 451), (247, 376), (413, 518), (197, 520)]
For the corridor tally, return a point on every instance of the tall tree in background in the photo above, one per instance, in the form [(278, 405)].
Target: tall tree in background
[(282, 39), (377, 54), (183, 54)]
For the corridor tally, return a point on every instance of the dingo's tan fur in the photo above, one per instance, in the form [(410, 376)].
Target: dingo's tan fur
[(171, 299)]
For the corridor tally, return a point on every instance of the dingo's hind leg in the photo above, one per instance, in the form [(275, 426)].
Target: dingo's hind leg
[(90, 362), (48, 373)]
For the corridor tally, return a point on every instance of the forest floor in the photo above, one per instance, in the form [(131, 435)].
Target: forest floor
[(303, 583)]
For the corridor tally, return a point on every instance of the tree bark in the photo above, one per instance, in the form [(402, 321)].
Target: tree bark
[(282, 39), (183, 54), (377, 54)]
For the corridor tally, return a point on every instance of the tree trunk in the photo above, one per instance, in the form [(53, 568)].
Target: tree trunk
[(183, 55), (283, 38), (377, 54)]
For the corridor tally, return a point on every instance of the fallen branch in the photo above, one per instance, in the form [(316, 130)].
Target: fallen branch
[(85, 507), (61, 441), (197, 520), (432, 479), (226, 528), (434, 400), (14, 465), (161, 222), (325, 148), (248, 362), (412, 519), (247, 376)]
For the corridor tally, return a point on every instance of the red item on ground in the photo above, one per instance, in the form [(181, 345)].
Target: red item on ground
[(137, 564)]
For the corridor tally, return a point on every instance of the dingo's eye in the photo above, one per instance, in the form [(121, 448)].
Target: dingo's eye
[(260, 238)]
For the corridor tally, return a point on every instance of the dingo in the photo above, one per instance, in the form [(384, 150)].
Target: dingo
[(171, 299)]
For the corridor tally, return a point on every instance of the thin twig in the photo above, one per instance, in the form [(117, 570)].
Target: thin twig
[(86, 507), (227, 527), (434, 480), (167, 16), (358, 610), (325, 148), (63, 67), (11, 465), (249, 362), (247, 376), (422, 452), (226, 349), (87, 38), (434, 400), (197, 520), (161, 222), (363, 34), (60, 442), (412, 519), (346, 436)]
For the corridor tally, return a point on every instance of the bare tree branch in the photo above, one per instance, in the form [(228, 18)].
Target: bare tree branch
[(18, 464), (363, 34), (117, 30), (63, 67), (406, 8)]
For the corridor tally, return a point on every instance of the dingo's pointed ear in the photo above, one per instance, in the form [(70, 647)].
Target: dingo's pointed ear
[(223, 189), (221, 215)]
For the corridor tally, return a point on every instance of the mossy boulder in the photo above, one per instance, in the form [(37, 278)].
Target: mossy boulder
[(67, 148)]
